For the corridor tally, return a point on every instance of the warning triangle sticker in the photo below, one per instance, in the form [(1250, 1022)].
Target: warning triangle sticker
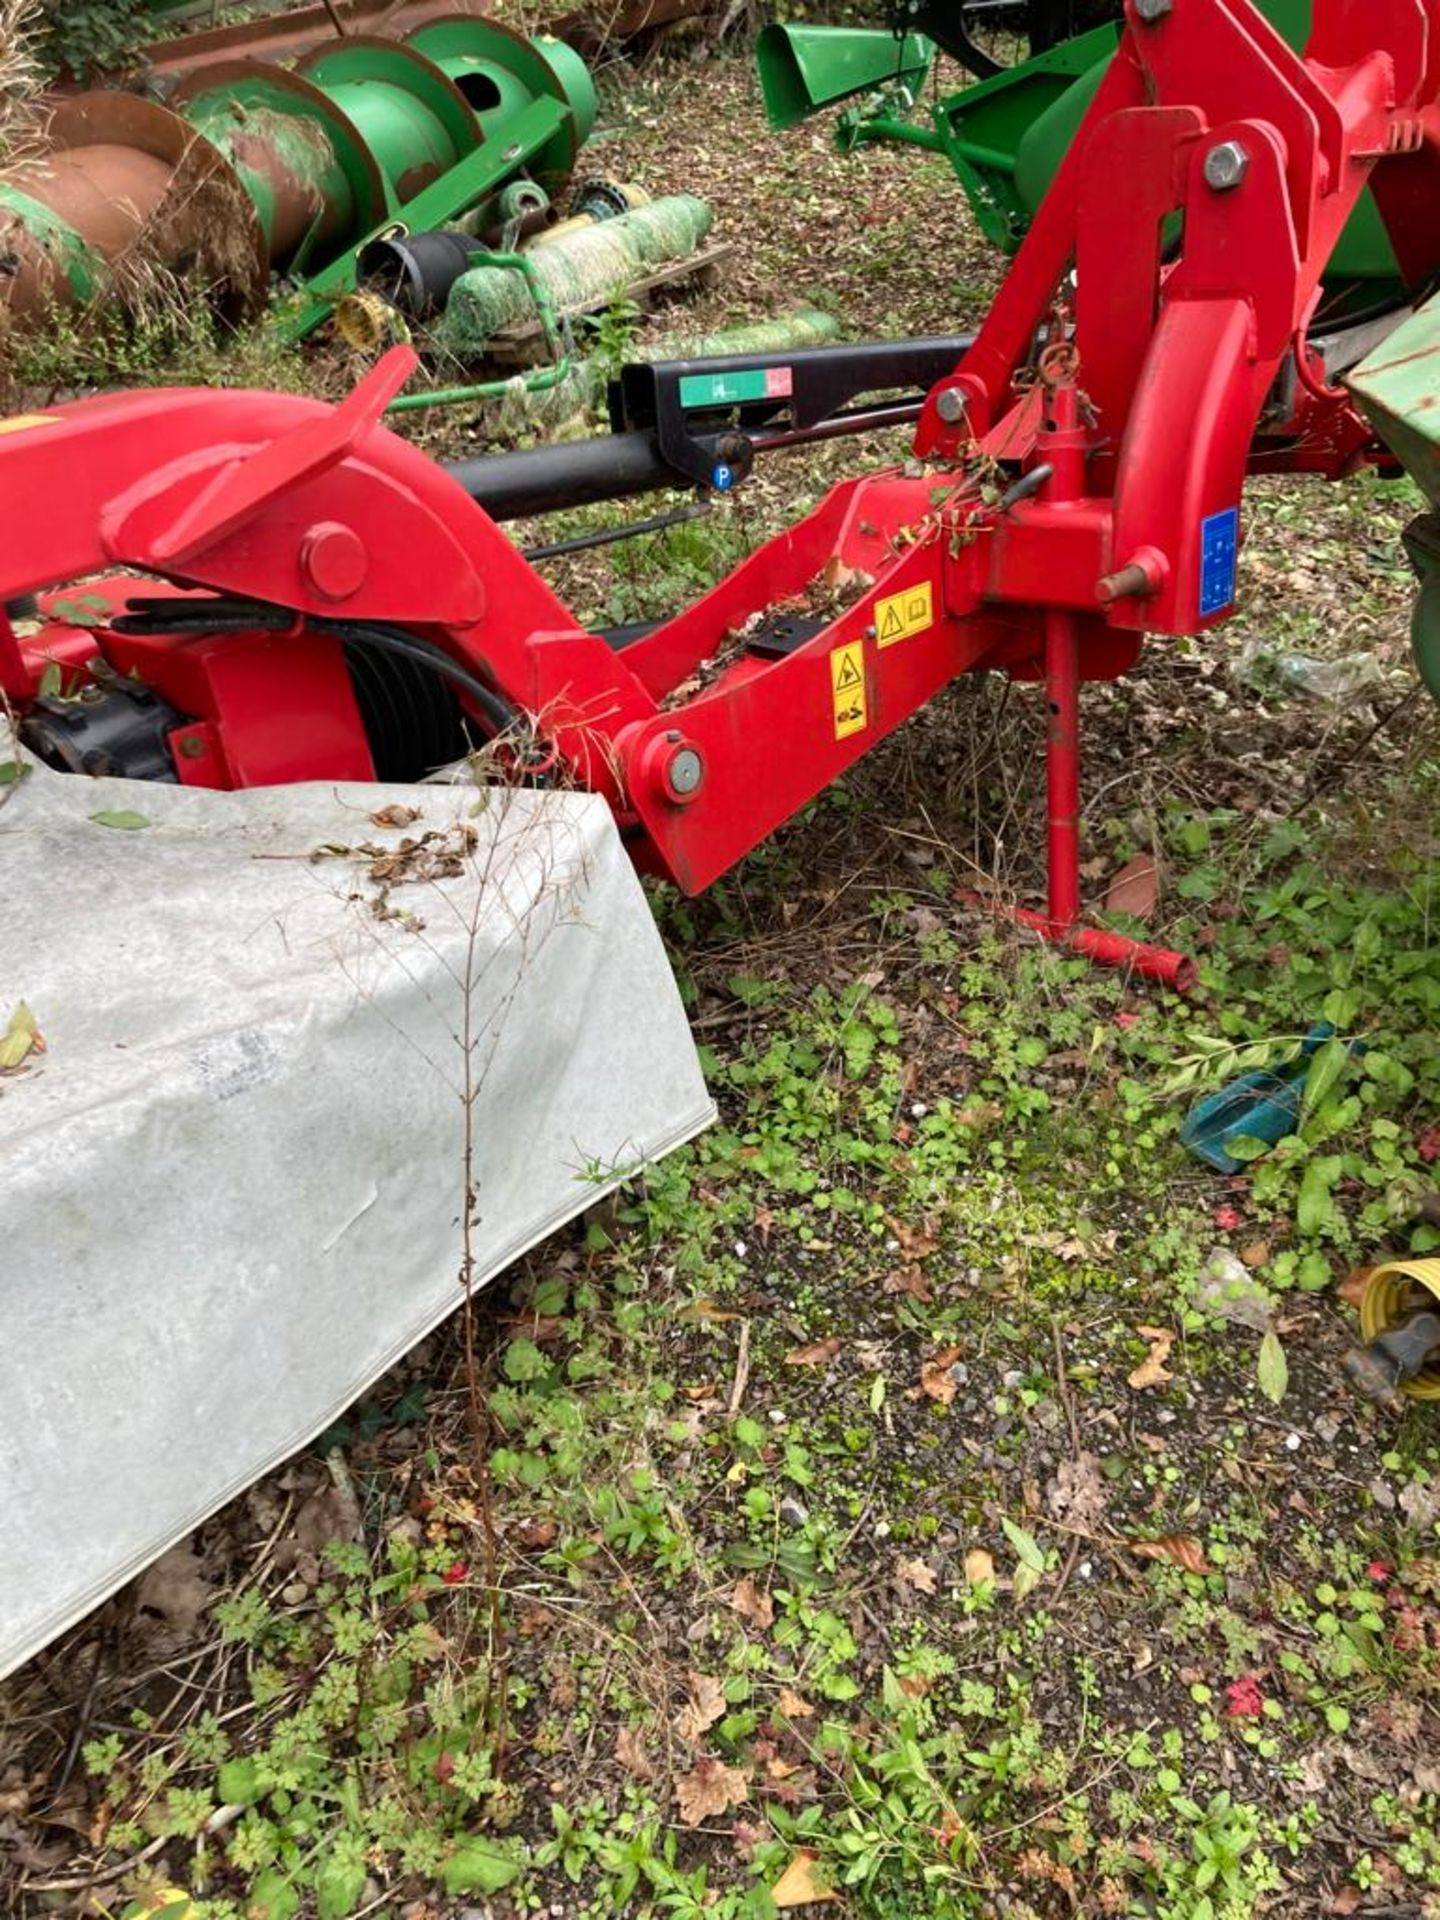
[(891, 626), (848, 675)]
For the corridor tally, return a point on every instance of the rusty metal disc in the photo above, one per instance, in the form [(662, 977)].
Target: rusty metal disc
[(251, 83), (192, 217)]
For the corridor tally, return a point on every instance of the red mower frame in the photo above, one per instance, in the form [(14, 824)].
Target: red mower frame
[(1071, 502)]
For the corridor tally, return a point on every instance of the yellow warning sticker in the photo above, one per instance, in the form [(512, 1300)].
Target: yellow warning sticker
[(847, 687), (902, 614), (22, 422)]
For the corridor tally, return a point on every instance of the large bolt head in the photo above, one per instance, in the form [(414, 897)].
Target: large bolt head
[(1226, 165), (333, 559), (1152, 10), (684, 772), (950, 404)]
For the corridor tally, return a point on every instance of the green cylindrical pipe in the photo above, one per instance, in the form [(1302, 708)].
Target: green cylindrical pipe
[(577, 270), (806, 327)]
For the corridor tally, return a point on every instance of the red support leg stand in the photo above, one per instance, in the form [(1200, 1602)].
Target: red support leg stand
[(1062, 769), (1060, 922)]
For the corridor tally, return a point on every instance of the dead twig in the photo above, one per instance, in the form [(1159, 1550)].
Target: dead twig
[(742, 1372)]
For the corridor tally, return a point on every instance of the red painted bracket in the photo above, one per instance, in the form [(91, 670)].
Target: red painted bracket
[(245, 486)]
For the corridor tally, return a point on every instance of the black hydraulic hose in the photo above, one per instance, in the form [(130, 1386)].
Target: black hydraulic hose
[(611, 536), (221, 616), (386, 639)]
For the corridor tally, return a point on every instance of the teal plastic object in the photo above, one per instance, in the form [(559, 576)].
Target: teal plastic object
[(1260, 1106)]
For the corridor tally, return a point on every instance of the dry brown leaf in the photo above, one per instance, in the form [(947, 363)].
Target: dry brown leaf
[(797, 1886), (704, 1707), (979, 1566), (752, 1605), (707, 1310), (709, 1790), (818, 1354), (911, 1281), (1134, 888), (793, 1705), (1182, 1550), (1152, 1371), (837, 575), (916, 1243), (176, 1588), (1077, 1492), (1256, 1254), (916, 1574), (778, 1769), (563, 1690), (1352, 1288), (394, 815), (327, 1516), (631, 1754), (935, 1377)]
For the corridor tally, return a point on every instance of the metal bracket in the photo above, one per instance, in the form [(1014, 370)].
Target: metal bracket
[(775, 399)]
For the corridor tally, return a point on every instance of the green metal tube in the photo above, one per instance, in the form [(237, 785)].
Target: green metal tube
[(498, 71), (410, 115), (537, 380), (585, 268), (883, 126)]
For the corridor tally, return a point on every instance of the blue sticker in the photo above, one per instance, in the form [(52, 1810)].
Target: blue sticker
[(722, 478), (1219, 547)]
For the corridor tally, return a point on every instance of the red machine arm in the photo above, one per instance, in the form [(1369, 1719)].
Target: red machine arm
[(1086, 462)]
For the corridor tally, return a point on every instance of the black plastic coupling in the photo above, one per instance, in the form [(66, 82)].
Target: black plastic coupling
[(415, 271)]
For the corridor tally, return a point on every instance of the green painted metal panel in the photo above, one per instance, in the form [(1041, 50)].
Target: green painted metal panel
[(1005, 137), (498, 71), (1398, 388), (802, 68)]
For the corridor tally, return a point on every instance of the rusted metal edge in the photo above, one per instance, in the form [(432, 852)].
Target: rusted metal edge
[(290, 35)]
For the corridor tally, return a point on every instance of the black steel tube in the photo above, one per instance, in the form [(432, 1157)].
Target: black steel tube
[(617, 466), (572, 473)]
